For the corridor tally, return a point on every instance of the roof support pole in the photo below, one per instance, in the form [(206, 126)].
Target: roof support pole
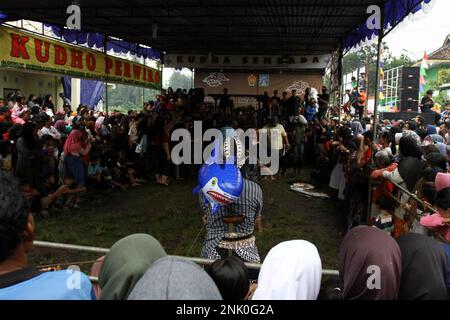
[(105, 51), (377, 87), (375, 108), (341, 87)]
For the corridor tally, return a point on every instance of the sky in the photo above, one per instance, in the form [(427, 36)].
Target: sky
[(425, 34)]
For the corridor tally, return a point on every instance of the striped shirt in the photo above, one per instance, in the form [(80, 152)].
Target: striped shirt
[(249, 205)]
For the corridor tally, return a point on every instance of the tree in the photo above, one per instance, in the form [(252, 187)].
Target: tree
[(179, 80), (365, 56), (443, 78), (368, 56)]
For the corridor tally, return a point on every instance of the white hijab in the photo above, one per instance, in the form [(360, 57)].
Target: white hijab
[(292, 270)]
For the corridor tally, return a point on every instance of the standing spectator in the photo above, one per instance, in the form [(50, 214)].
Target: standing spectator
[(292, 105), (76, 146), (324, 100), (277, 138), (28, 161), (160, 151), (300, 125), (276, 104), (284, 102)]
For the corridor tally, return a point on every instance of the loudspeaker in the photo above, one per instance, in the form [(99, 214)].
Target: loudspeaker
[(409, 105), (408, 95), (408, 85)]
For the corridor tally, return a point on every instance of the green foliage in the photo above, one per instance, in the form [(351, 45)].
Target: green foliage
[(443, 77), (179, 80), (124, 98), (394, 62), (368, 55)]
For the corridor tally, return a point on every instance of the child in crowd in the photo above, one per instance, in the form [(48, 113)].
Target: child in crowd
[(384, 220)]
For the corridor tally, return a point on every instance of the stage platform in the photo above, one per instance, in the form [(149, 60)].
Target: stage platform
[(408, 115)]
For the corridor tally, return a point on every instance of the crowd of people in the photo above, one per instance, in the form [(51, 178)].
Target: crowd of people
[(58, 156)]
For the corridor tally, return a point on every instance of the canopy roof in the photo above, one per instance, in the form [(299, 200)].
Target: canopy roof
[(286, 27)]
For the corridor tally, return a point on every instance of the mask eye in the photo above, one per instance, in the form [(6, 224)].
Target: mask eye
[(214, 182)]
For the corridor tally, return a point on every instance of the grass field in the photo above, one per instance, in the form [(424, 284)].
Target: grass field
[(172, 215)]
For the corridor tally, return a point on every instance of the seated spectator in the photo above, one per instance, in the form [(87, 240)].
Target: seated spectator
[(292, 270), (96, 173), (171, 278), (18, 281), (72, 196), (362, 248), (125, 263), (49, 192), (424, 268), (48, 128), (231, 277)]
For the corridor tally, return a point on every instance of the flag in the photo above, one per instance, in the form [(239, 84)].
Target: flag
[(423, 72)]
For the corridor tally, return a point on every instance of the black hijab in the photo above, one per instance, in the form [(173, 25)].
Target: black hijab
[(411, 170), (424, 268)]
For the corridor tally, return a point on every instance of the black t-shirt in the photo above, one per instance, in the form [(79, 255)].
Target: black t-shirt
[(426, 104), (293, 105), (324, 97)]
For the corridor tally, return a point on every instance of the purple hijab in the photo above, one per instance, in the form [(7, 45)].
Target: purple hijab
[(363, 248)]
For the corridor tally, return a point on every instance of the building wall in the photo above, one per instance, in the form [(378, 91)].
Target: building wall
[(31, 83), (255, 82)]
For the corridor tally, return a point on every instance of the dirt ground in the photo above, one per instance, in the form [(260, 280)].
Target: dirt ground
[(172, 215)]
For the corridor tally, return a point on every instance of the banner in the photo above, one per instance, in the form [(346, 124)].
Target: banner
[(247, 61), (22, 50), (242, 83)]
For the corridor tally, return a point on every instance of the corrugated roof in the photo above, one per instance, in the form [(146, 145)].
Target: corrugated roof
[(231, 27)]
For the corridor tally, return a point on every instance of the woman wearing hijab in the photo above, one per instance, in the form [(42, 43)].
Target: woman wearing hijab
[(369, 265), (357, 128), (407, 174), (75, 147), (430, 129), (171, 278), (125, 263), (440, 222), (292, 270), (424, 268)]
